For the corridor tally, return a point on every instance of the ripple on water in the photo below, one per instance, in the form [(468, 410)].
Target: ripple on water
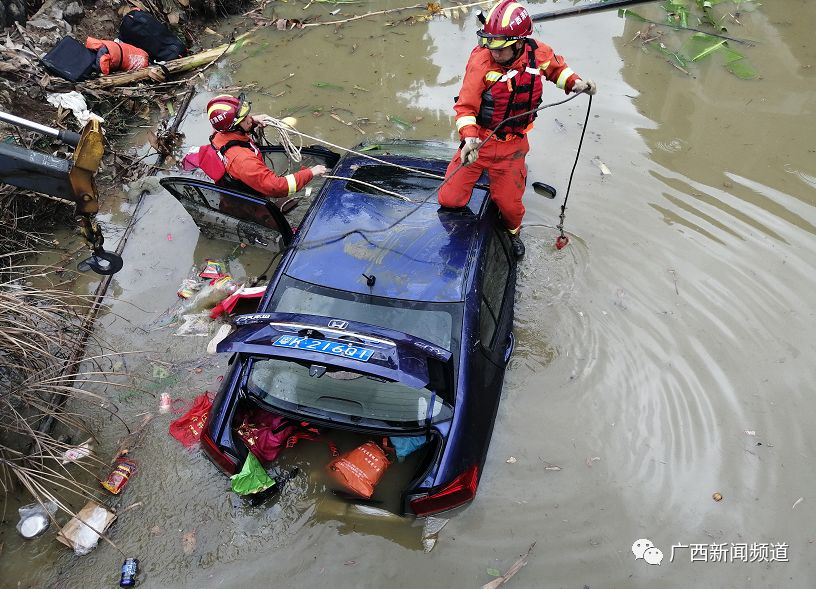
[(672, 146)]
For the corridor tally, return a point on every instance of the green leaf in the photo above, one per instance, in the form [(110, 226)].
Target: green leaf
[(742, 69), (676, 58), (494, 572), (626, 13), (701, 45), (327, 85), (370, 148), (398, 121)]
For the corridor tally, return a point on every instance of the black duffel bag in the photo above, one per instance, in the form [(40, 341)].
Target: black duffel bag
[(71, 60), (145, 31)]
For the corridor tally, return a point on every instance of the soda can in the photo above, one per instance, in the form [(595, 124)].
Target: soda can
[(130, 568)]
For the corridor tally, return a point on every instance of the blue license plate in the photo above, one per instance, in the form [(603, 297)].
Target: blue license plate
[(326, 347)]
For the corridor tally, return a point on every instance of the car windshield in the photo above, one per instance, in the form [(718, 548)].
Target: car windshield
[(298, 386), (430, 321)]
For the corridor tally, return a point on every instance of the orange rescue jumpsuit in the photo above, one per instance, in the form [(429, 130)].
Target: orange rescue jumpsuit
[(247, 166), (503, 156)]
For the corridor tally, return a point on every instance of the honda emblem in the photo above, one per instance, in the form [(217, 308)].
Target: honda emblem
[(338, 324)]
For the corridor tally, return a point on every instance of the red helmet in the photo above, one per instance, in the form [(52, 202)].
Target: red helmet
[(506, 23), (226, 112)]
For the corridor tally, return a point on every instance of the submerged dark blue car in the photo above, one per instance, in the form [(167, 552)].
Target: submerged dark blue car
[(386, 317)]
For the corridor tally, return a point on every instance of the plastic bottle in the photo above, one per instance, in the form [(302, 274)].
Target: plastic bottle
[(130, 568)]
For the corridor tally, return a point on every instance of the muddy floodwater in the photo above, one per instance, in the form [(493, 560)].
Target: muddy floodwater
[(665, 355)]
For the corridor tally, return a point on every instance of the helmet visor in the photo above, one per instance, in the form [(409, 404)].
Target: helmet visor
[(243, 110), (495, 41)]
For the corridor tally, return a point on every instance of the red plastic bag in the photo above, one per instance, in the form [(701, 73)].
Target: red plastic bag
[(187, 428), (361, 469)]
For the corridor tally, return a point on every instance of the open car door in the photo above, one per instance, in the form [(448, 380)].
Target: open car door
[(244, 217)]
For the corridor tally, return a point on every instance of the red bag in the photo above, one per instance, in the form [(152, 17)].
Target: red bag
[(265, 434), (187, 428), (361, 469)]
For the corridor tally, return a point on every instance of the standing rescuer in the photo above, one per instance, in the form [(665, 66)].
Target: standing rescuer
[(241, 158), (503, 78)]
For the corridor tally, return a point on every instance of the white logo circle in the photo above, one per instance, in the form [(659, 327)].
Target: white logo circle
[(653, 555), (641, 546)]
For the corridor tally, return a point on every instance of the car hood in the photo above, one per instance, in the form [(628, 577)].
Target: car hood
[(391, 354)]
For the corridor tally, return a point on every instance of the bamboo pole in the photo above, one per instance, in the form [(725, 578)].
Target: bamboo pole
[(176, 66)]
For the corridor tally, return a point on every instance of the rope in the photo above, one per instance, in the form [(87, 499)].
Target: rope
[(562, 239), (308, 245)]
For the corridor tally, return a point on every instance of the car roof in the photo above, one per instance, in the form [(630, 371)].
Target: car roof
[(413, 250)]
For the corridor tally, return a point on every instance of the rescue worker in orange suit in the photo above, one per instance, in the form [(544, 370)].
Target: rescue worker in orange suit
[(503, 78), (242, 159)]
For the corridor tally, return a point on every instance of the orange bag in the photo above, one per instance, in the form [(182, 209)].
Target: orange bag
[(361, 469), (121, 57)]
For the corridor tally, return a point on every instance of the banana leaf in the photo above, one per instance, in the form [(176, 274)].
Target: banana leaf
[(677, 59), (738, 65), (701, 46)]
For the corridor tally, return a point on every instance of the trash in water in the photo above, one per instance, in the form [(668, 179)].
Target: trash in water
[(77, 452), (511, 460), (82, 532), (130, 568), (34, 518), (188, 288), (219, 336), (750, 432), (514, 568), (797, 502), (188, 542), (165, 403), (605, 171), (196, 324), (252, 478), (591, 460), (123, 469), (430, 531), (212, 269), (242, 293), (717, 497)]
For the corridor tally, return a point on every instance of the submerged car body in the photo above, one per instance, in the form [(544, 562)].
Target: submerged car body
[(386, 317)]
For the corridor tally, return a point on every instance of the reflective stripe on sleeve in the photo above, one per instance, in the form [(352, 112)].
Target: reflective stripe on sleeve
[(290, 179), (544, 66), (464, 122), (562, 79), (492, 76)]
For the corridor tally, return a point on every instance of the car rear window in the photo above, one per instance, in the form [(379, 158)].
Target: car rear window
[(343, 392), (420, 320)]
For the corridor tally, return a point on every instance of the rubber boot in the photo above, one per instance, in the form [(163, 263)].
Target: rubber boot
[(517, 245)]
